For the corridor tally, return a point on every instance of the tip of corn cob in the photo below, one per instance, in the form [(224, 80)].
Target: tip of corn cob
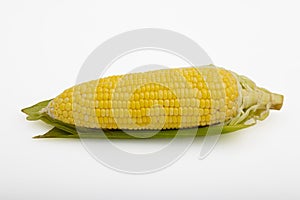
[(276, 101)]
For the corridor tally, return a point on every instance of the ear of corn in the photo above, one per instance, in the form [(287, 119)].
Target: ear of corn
[(158, 100)]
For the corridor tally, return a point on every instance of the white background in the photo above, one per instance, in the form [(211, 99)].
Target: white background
[(43, 45)]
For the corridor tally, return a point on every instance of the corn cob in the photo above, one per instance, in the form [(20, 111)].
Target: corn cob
[(164, 99)]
